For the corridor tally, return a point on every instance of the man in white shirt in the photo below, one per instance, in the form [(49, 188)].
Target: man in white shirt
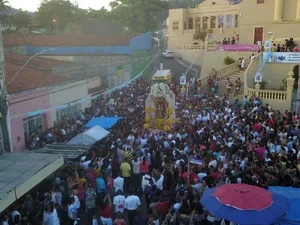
[(84, 164), (119, 202), (132, 202), (119, 183)]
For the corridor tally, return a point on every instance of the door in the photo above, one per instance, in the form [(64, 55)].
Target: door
[(258, 34)]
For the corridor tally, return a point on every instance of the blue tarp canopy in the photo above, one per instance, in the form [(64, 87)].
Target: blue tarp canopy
[(293, 195), (104, 122)]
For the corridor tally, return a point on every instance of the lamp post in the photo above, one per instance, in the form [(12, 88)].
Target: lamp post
[(4, 107), (33, 56)]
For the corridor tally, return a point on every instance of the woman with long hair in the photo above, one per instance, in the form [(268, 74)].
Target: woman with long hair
[(105, 211)]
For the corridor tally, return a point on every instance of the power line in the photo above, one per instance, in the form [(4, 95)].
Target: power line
[(94, 78), (89, 97), (25, 94)]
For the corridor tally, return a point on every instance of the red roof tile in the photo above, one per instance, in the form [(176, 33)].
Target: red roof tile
[(32, 76), (65, 40)]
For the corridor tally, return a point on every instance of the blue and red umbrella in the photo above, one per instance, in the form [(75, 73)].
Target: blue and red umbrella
[(244, 204)]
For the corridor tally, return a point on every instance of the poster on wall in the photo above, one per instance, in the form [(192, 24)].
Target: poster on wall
[(183, 79), (281, 57), (258, 77)]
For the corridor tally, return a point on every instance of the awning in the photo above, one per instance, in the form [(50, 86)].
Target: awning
[(20, 172), (105, 122), (69, 152), (89, 137)]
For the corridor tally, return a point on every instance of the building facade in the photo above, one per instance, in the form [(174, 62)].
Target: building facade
[(221, 16), (253, 20)]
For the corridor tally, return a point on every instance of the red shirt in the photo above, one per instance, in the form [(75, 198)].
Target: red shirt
[(163, 209), (106, 212), (144, 168)]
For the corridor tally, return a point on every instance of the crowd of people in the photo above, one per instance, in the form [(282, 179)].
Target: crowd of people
[(137, 176), (289, 46)]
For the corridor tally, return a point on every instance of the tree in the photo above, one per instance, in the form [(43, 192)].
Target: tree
[(175, 4), (21, 19), (102, 13), (55, 14), (139, 15), (4, 5), (79, 15), (201, 34)]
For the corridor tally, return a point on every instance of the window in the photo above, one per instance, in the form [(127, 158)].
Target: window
[(31, 124), (260, 1), (175, 25), (229, 21), (236, 20), (73, 110), (212, 22), (205, 20), (197, 23), (190, 24), (184, 26), (220, 21)]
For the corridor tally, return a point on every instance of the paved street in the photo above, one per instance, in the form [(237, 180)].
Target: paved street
[(176, 66)]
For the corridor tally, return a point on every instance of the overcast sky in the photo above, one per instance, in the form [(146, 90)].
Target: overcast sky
[(32, 5)]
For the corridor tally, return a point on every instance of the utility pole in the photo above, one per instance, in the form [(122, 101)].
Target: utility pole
[(161, 41), (5, 144)]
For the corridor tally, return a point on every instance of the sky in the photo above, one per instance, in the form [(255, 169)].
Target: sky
[(32, 5)]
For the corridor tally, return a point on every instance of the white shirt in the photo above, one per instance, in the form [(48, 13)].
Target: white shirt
[(145, 181), (56, 198), (77, 202), (119, 202), (118, 184), (132, 202), (136, 167), (13, 214), (72, 209), (159, 182), (55, 220), (85, 164)]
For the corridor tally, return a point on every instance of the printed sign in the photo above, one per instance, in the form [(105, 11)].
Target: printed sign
[(258, 77), (281, 57), (183, 79), (237, 48)]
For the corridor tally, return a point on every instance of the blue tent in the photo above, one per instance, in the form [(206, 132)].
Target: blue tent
[(104, 122), (293, 195)]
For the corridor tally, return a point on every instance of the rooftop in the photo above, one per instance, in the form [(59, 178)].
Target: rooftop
[(66, 40), (20, 172), (36, 74)]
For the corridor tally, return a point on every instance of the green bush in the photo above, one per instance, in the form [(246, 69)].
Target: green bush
[(228, 60)]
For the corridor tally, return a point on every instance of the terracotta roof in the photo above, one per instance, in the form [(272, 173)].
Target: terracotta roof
[(32, 76), (64, 40)]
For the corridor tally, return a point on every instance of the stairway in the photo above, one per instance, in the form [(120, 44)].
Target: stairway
[(233, 77)]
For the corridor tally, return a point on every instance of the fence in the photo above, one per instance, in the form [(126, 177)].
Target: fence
[(277, 99)]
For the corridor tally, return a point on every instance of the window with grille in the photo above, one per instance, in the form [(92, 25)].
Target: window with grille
[(175, 26), (31, 124)]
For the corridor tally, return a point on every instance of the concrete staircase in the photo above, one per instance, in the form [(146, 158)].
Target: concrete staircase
[(233, 77)]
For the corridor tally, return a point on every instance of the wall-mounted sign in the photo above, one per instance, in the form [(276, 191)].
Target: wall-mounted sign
[(281, 57), (258, 77), (237, 48)]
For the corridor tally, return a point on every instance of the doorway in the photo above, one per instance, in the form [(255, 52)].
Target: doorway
[(258, 34)]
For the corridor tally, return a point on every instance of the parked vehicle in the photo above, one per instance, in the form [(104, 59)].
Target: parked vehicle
[(168, 54)]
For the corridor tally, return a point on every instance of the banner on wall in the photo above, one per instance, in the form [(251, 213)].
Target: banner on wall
[(237, 48), (281, 57)]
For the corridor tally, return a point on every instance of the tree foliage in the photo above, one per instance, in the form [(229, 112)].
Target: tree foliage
[(55, 14), (21, 19), (175, 4), (4, 5), (201, 34), (139, 15), (102, 13)]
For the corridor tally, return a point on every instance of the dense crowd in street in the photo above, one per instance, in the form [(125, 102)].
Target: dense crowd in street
[(136, 176)]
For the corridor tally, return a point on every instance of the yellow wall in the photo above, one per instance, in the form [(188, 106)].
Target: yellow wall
[(250, 15), (216, 60), (206, 9), (275, 72), (264, 17)]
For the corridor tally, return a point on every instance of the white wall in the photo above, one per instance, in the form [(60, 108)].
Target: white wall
[(75, 91)]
